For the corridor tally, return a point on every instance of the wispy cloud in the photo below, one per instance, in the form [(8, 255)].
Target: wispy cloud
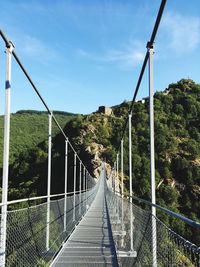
[(37, 49), (183, 32), (83, 53), (127, 57), (31, 46)]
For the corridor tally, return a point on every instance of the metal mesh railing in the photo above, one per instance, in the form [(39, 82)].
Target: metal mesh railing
[(26, 229), (171, 249)]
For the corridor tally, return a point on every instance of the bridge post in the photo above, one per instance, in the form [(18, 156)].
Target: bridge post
[(74, 215), (84, 184), (80, 176), (114, 176), (118, 172), (8, 52), (122, 180), (65, 203), (117, 181), (111, 177), (132, 252), (150, 48), (111, 180), (48, 183), (130, 180)]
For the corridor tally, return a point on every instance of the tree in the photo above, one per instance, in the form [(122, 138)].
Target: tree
[(193, 148)]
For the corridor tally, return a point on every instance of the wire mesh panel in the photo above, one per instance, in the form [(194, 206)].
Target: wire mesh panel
[(119, 210), (171, 248), (26, 229), (22, 225)]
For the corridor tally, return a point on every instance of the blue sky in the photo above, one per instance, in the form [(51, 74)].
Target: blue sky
[(83, 54)]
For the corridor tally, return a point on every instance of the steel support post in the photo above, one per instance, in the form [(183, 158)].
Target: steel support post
[(6, 155), (122, 180), (117, 181), (132, 252), (111, 181), (86, 183), (152, 153), (117, 172), (111, 174), (80, 176), (114, 177), (130, 181), (48, 183), (74, 211), (65, 203)]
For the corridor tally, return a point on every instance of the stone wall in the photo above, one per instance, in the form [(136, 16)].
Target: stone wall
[(105, 110)]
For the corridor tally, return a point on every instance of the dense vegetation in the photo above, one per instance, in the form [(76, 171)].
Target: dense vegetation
[(177, 152), (28, 128), (29, 150), (177, 149)]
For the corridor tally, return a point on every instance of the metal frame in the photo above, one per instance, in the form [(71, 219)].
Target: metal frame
[(117, 171), (122, 180), (48, 184), (37, 198), (74, 204), (114, 177), (130, 180), (5, 202), (186, 220), (150, 48), (80, 177), (117, 182), (85, 189), (84, 184), (7, 125), (9, 50), (65, 203)]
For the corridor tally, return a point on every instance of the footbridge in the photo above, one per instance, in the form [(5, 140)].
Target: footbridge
[(91, 243), (92, 222), (94, 227)]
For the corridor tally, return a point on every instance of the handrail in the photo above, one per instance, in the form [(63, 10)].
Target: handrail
[(182, 239), (188, 221), (40, 197)]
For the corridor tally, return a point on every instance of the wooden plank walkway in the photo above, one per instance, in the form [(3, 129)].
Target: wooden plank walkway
[(91, 243)]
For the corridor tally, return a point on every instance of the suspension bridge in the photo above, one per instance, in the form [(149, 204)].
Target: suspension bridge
[(96, 224)]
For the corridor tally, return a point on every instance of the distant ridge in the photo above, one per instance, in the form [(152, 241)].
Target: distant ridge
[(29, 111), (28, 128)]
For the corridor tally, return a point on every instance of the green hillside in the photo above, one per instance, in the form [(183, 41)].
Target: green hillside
[(177, 149), (28, 128), (97, 136)]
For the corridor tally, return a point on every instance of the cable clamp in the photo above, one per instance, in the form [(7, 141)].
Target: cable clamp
[(10, 47)]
